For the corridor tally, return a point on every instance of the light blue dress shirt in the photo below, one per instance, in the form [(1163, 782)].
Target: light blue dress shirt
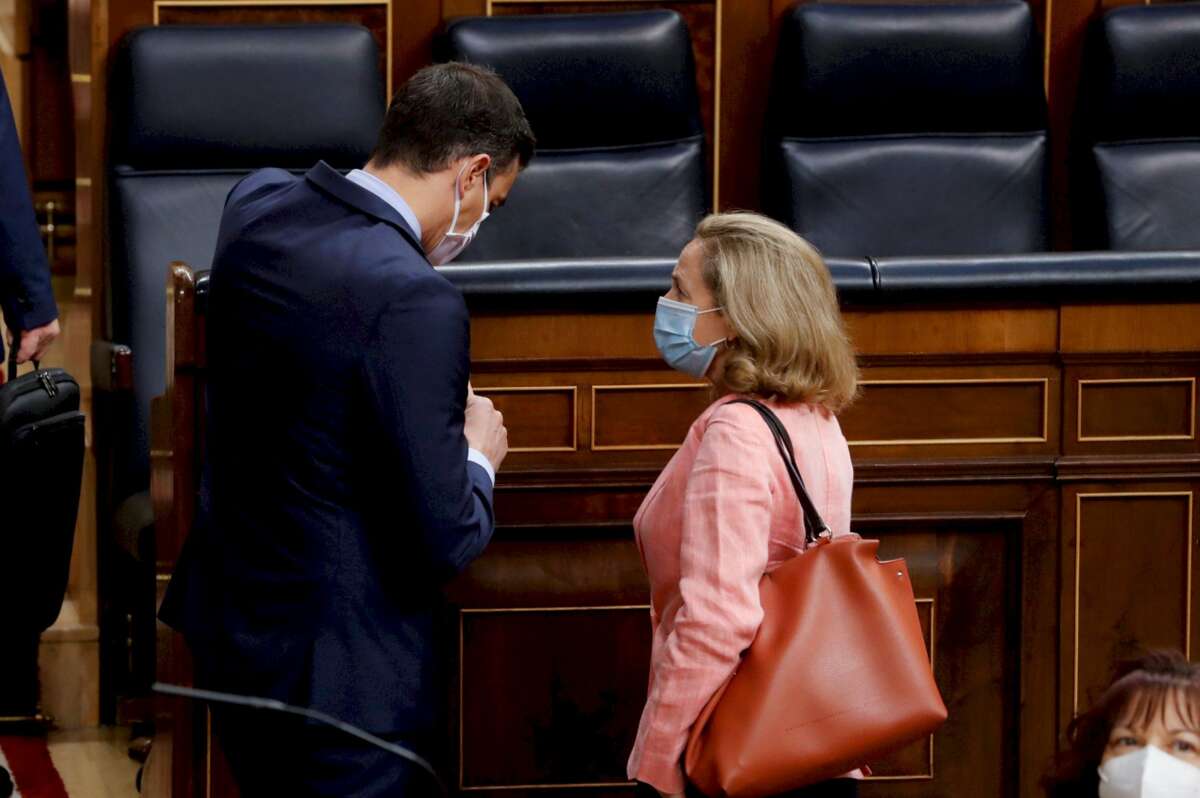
[(389, 195)]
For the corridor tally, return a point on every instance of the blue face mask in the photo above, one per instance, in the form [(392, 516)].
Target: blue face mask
[(674, 335)]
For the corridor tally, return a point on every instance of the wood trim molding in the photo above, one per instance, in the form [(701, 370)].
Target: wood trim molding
[(1079, 497), (463, 612), (1080, 437), (596, 389), (486, 390), (1043, 438)]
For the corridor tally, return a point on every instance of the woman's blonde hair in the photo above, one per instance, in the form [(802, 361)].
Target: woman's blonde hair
[(778, 297)]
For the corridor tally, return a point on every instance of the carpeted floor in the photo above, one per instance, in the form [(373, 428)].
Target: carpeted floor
[(89, 763), (28, 762)]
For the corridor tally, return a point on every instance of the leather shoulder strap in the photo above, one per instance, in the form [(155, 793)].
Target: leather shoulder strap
[(815, 527)]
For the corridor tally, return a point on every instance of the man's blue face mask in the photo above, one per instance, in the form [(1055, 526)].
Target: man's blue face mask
[(674, 335)]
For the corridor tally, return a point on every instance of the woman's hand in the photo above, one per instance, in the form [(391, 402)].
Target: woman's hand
[(670, 794)]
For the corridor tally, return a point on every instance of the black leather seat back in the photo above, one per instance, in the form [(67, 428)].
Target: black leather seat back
[(194, 110), (619, 169), (1141, 129), (909, 129)]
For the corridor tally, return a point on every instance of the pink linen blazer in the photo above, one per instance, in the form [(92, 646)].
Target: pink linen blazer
[(721, 514)]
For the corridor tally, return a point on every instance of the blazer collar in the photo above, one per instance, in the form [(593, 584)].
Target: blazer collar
[(332, 182)]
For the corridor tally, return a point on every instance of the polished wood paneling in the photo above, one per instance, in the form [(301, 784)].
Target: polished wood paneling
[(538, 501), (745, 51), (1064, 30), (641, 417), (1129, 568), (1144, 405), (48, 139), (563, 337), (539, 419), (953, 330), (563, 690), (995, 410), (974, 614), (1137, 409), (1166, 327)]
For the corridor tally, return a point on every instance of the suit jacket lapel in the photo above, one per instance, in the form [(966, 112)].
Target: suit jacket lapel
[(332, 182)]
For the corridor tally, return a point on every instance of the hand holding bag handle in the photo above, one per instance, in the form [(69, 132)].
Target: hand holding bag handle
[(12, 354)]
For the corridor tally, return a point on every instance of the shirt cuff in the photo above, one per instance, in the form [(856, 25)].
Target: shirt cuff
[(480, 459), (662, 774)]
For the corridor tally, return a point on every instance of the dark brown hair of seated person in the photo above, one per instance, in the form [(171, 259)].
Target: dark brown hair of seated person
[(1141, 690), (450, 111)]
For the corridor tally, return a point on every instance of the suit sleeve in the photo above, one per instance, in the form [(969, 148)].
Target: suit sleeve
[(416, 370), (25, 292)]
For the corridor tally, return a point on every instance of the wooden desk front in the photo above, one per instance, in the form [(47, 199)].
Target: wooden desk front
[(1037, 466)]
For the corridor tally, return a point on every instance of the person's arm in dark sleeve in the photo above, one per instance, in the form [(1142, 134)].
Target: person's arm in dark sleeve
[(417, 367), (25, 292)]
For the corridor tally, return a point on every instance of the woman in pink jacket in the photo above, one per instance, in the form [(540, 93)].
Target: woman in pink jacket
[(752, 309)]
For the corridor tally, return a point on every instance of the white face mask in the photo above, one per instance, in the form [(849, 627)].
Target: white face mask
[(452, 244), (1149, 772)]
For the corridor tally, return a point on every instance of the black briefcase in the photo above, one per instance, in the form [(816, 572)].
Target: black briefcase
[(41, 468)]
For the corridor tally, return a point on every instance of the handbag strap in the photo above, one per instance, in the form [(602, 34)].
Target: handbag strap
[(815, 527)]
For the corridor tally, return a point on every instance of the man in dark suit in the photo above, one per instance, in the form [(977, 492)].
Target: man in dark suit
[(350, 467), (25, 293)]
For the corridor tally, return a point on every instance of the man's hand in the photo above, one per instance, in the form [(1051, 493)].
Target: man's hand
[(484, 428), (34, 343)]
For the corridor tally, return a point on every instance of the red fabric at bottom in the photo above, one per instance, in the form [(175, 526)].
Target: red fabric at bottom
[(32, 769)]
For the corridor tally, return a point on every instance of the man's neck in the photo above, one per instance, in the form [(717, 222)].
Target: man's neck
[(423, 195)]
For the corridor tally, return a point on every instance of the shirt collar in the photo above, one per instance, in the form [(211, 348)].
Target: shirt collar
[(386, 193)]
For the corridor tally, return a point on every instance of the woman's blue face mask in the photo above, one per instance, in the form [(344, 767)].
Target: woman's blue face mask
[(674, 334)]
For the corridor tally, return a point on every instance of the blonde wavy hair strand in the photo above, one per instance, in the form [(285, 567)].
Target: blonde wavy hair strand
[(779, 298)]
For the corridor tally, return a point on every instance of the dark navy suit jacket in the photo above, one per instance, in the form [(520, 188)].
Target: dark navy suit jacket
[(336, 497), (25, 293)]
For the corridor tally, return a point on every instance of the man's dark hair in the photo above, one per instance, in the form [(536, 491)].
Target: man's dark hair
[(450, 111)]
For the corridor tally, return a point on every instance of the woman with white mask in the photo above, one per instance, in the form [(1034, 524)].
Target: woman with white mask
[(1140, 740)]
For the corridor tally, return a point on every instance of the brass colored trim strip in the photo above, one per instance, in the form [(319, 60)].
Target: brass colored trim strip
[(1079, 497), (1081, 438)]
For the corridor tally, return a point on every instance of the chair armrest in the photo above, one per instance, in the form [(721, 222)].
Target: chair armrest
[(112, 367)]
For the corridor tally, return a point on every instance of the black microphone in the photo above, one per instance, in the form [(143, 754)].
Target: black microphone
[(274, 705)]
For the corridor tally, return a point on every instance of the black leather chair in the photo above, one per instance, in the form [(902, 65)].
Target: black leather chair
[(1138, 142), (909, 129), (619, 169), (193, 110)]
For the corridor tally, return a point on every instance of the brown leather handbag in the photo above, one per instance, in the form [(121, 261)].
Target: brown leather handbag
[(838, 674)]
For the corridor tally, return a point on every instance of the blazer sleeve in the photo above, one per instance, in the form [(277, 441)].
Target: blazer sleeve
[(25, 291), (416, 369), (723, 555)]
